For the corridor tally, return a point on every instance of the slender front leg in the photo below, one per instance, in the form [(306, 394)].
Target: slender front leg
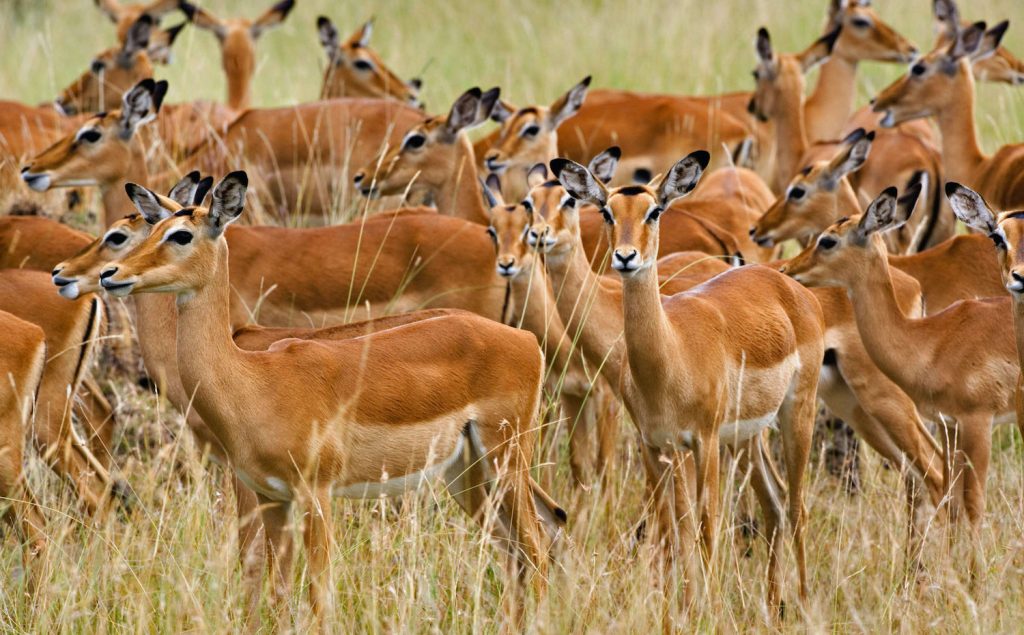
[(250, 525), (707, 457), (278, 546), (318, 552)]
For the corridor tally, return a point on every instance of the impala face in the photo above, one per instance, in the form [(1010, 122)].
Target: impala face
[(843, 251), (812, 200), (508, 228), (98, 152), (631, 213), (1006, 230), (111, 74), (779, 74), (355, 70), (429, 153), (937, 81), (1003, 67), (529, 135), (865, 36), (171, 258)]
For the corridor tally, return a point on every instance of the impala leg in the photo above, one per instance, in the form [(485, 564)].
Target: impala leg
[(607, 431), (766, 488), (23, 511), (577, 412), (706, 455), (797, 427), (318, 552), (669, 483), (251, 555), (98, 416), (278, 546), (977, 450)]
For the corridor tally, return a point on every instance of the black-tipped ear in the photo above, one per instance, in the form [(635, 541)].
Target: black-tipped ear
[(968, 41), (971, 208), (202, 190), (536, 176), (147, 202), (990, 41), (330, 39), (228, 201), (570, 103), (416, 83), (682, 177), (764, 45), (464, 111), (184, 190), (173, 32), (491, 188), (880, 215), (603, 165), (488, 100), (159, 92), (578, 182)]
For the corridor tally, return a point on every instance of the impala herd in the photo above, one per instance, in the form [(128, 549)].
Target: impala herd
[(585, 254)]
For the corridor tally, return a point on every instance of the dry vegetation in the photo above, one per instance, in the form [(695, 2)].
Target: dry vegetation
[(418, 565)]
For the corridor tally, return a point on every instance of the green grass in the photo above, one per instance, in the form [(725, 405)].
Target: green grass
[(419, 565)]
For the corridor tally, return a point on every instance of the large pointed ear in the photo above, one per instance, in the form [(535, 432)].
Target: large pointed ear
[(971, 208), (202, 190), (851, 156), (536, 176), (990, 41), (471, 109), (502, 111), (161, 41), (330, 39), (579, 183), (203, 19), (184, 191), (763, 44), (140, 105), (880, 215), (274, 16), (836, 9), (604, 164), (148, 203), (819, 51), (491, 189), (947, 18), (228, 201), (137, 39), (362, 36), (682, 177), (568, 104), (968, 41)]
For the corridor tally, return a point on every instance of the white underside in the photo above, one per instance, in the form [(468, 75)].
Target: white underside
[(389, 487)]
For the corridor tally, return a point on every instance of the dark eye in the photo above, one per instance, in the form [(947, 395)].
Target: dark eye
[(527, 204), (827, 242), (363, 65), (607, 216), (797, 193), (570, 203), (415, 141), (654, 214), (116, 239), (97, 67), (918, 69), (997, 238), (530, 131), (90, 136), (861, 23), (493, 233), (180, 238)]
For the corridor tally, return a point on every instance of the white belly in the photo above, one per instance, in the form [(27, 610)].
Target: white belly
[(397, 486)]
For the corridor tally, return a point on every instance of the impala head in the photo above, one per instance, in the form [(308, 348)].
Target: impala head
[(508, 227), (940, 79), (779, 75), (814, 198), (530, 135), (865, 36), (237, 38), (111, 73), (180, 254), (101, 151), (845, 250), (81, 273), (1006, 230), (125, 15), (555, 229), (1002, 67), (355, 70), (429, 155), (632, 212)]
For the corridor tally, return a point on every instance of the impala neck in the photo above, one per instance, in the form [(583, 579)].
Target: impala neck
[(790, 138), (460, 195), (829, 107), (591, 309), (647, 330), (961, 153), (155, 322), (535, 311)]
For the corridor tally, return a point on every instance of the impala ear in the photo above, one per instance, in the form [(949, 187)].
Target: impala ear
[(569, 104), (136, 40), (140, 105), (820, 51), (947, 17), (763, 45), (536, 176), (971, 208), (202, 190), (228, 201), (184, 191), (990, 41), (879, 216), (148, 203), (579, 183), (274, 16), (203, 19), (967, 42), (492, 191), (161, 42), (682, 177), (852, 155), (363, 35), (604, 164), (502, 111), (330, 39), (471, 109)]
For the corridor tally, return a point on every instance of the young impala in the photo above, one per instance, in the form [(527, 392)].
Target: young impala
[(355, 70), (707, 366), (301, 422), (960, 365)]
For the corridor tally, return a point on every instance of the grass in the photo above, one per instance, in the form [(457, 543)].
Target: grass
[(418, 565)]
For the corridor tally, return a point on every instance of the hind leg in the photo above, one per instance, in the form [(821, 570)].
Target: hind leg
[(762, 479), (98, 416), (977, 450)]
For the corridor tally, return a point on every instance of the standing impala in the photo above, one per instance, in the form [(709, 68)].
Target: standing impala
[(941, 85), (708, 366), (960, 365), (237, 38), (355, 70), (302, 422)]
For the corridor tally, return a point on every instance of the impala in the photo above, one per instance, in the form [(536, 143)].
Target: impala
[(1002, 67), (675, 406), (941, 85), (960, 365), (237, 39), (467, 425), (355, 70), (125, 15)]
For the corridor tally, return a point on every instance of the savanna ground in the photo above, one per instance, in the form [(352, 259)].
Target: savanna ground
[(419, 565)]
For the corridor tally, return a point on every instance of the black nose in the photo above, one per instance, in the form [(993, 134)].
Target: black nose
[(106, 273), (1017, 277), (358, 179), (625, 259)]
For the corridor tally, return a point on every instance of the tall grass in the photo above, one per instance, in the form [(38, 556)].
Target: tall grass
[(419, 565)]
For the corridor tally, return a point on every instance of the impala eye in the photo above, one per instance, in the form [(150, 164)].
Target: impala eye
[(654, 214), (527, 204), (363, 65), (89, 136), (531, 130), (796, 193), (116, 239), (827, 242), (415, 141), (918, 70), (861, 23), (493, 233), (180, 238), (997, 238), (608, 218)]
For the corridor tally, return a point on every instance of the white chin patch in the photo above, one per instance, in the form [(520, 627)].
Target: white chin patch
[(37, 183), (69, 291), (888, 121), (1015, 286), (121, 292)]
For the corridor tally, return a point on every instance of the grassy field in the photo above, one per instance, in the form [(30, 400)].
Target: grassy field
[(419, 565)]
